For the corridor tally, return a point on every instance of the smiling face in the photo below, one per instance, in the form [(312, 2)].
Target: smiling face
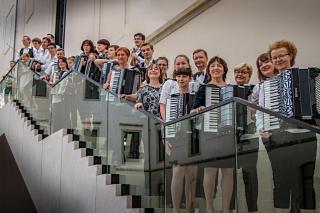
[(163, 66), (183, 81), (62, 64), (154, 72), (147, 52), (216, 71), (36, 44), (101, 48), (122, 57), (181, 62), (281, 58), (242, 76), (200, 60), (60, 53), (52, 50), (267, 68), (45, 43), (138, 40), (111, 53)]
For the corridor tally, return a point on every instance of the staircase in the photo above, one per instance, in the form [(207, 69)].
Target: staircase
[(82, 152)]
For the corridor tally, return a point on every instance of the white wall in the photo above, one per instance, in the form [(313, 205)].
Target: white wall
[(116, 20), (35, 18), (239, 31), (7, 27), (236, 30)]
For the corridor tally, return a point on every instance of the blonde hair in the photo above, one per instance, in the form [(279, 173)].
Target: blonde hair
[(242, 66)]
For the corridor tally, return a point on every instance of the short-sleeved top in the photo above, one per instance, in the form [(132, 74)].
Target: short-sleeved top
[(149, 96), (168, 88)]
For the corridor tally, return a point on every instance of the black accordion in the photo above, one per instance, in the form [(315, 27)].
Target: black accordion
[(125, 81), (177, 106), (77, 63), (294, 93), (92, 71), (242, 117)]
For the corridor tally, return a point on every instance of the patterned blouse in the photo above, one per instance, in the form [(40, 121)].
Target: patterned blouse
[(149, 96)]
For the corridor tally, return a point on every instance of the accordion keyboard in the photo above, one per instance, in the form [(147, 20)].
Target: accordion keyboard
[(211, 118), (271, 101)]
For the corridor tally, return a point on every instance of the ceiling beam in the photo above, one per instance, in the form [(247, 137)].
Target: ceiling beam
[(180, 20)]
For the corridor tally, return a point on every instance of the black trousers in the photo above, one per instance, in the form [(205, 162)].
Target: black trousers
[(292, 157)]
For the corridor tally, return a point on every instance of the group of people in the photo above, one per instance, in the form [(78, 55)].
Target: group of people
[(295, 195), (47, 56)]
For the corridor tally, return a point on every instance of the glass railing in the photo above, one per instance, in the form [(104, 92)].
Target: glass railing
[(237, 156), (8, 86), (125, 142), (34, 95), (215, 159)]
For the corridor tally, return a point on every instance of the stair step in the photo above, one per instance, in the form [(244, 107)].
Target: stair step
[(138, 201), (127, 189)]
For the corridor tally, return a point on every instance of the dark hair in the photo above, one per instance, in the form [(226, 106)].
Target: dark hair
[(114, 46), (200, 50), (141, 35), (52, 36), (174, 74), (48, 40), (88, 42), (60, 49), (147, 44), (52, 44), (147, 76), (264, 57), (104, 42), (36, 39), (64, 59), (26, 36), (163, 58), (184, 71), (220, 61)]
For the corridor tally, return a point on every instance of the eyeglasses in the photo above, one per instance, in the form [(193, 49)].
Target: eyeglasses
[(241, 72), (162, 65), (280, 56)]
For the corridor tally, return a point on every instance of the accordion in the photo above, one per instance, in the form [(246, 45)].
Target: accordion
[(77, 63), (242, 116), (177, 106), (92, 71), (125, 81), (294, 93), (211, 118), (32, 64)]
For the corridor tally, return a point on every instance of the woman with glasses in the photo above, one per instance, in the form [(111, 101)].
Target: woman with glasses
[(292, 150), (247, 148), (242, 73)]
